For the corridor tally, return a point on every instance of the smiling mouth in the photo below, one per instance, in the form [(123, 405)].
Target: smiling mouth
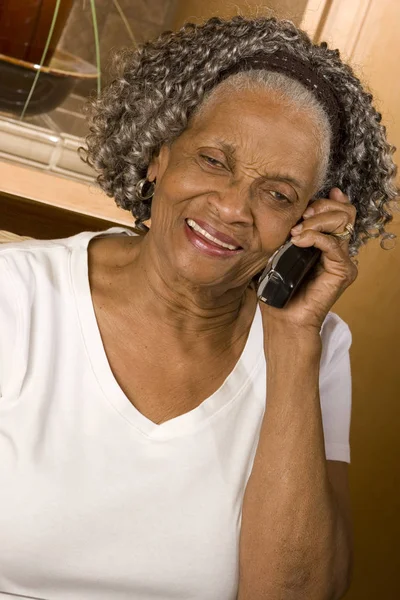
[(207, 236)]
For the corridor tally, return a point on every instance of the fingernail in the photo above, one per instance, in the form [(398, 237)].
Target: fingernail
[(308, 213), (339, 190), (296, 229), (295, 238)]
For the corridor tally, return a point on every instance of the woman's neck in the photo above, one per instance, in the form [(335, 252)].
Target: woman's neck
[(178, 304), (168, 307)]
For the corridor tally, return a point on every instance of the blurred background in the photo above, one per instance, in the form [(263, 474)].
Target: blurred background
[(46, 192)]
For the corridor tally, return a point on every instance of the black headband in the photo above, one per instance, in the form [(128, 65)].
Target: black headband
[(289, 64)]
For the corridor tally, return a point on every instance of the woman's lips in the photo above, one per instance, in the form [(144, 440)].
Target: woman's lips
[(207, 246), (222, 237)]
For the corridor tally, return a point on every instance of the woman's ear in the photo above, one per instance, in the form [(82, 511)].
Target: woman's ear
[(158, 164)]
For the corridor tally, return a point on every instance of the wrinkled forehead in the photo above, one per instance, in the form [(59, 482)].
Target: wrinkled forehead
[(260, 130)]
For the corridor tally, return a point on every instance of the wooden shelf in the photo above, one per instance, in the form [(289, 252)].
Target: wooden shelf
[(45, 205)]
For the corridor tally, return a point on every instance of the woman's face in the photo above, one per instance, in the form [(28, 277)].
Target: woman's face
[(246, 167)]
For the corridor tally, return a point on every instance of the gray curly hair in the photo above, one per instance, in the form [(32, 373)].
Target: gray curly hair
[(158, 88)]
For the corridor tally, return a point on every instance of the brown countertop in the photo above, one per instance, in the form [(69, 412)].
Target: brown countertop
[(46, 205), (27, 183)]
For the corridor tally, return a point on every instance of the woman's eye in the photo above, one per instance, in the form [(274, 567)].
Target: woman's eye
[(212, 161), (280, 196)]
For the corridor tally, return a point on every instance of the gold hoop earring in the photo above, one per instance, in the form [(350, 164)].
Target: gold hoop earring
[(144, 189)]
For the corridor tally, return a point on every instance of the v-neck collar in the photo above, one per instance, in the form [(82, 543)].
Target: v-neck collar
[(184, 424)]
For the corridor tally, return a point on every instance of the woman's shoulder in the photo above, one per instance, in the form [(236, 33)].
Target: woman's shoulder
[(17, 265), (25, 268), (14, 300), (31, 268), (113, 251), (34, 274), (21, 262), (30, 255), (19, 249)]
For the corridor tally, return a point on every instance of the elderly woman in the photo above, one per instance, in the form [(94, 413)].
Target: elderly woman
[(164, 434)]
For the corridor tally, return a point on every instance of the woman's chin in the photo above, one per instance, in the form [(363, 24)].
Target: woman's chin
[(206, 274)]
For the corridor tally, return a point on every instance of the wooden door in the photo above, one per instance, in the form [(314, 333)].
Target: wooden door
[(367, 33)]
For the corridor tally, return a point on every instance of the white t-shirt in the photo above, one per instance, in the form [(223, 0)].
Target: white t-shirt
[(96, 501)]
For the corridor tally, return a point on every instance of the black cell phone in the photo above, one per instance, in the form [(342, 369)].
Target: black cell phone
[(288, 267), (285, 271)]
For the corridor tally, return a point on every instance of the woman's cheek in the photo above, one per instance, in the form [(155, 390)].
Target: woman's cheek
[(273, 232)]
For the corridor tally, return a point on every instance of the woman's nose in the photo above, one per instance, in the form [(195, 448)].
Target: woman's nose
[(231, 205)]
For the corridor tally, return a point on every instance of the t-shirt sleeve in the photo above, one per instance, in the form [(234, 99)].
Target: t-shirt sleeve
[(10, 325), (336, 388)]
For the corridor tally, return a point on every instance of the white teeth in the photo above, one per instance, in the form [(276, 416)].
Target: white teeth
[(193, 225)]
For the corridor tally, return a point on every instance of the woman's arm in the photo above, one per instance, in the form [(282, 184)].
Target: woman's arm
[(295, 539)]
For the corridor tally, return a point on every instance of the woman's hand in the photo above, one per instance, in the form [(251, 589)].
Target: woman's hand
[(333, 274)]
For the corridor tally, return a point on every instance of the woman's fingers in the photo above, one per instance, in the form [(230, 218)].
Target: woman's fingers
[(325, 242), (328, 216), (335, 257), (337, 201), (333, 221)]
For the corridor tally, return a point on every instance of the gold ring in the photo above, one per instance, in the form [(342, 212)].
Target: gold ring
[(345, 235)]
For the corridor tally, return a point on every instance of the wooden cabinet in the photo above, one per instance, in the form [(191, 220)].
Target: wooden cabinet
[(45, 205)]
